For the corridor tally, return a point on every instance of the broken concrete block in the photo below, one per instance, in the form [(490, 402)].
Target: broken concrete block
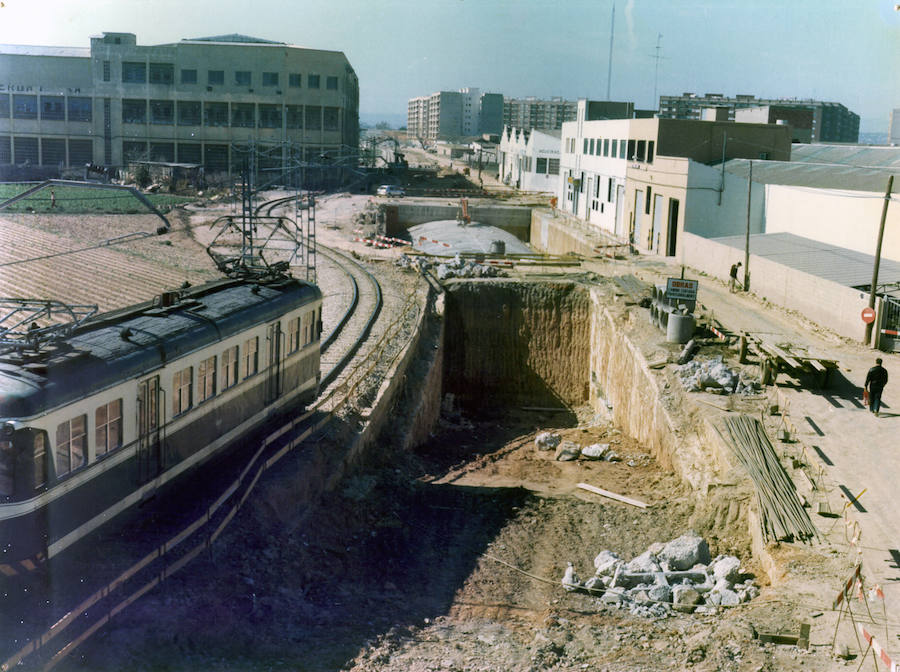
[(613, 596), (685, 552), (567, 451), (645, 562), (594, 451), (605, 562), (595, 584), (547, 441), (570, 579), (660, 593), (726, 567), (685, 598)]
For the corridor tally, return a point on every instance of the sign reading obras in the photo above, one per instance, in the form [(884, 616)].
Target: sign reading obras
[(682, 289)]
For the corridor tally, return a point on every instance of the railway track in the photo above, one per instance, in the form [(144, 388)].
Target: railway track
[(47, 616)]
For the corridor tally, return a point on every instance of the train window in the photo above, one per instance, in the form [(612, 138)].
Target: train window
[(293, 335), (71, 439), (40, 460), (7, 469), (181, 390), (251, 356), (229, 367), (307, 329), (206, 379), (108, 423)]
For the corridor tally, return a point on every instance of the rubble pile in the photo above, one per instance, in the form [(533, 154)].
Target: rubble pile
[(712, 375), (567, 451), (675, 576), (461, 268)]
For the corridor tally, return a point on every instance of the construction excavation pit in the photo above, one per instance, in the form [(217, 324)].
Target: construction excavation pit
[(542, 496)]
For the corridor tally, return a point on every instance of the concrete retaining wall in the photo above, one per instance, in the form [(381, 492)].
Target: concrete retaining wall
[(822, 301), (513, 219), (558, 233)]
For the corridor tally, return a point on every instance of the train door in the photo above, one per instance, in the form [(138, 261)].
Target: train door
[(149, 449), (275, 372)]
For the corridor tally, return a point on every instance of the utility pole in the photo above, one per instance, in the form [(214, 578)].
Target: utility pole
[(887, 199), (747, 234), (612, 34)]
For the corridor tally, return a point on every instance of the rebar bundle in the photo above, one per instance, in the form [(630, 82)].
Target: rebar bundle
[(781, 512)]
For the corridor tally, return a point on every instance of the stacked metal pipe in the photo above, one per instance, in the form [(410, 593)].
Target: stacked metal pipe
[(781, 512)]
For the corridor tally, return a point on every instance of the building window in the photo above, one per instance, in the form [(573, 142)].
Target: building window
[(108, 427), (26, 150), (106, 71), (134, 73), (162, 112), (605, 147), (313, 118), (80, 109), (215, 114), (609, 190), (294, 116), (250, 359), (243, 115), (331, 83), (330, 118), (53, 151), (540, 166), (312, 81), (134, 150), (270, 116), (24, 107), (242, 78), (214, 77), (190, 152), (4, 106), (647, 200), (631, 151), (181, 390), (162, 73), (162, 151), (188, 113), (294, 80), (230, 367), (293, 335), (71, 440), (591, 147), (553, 166), (641, 150), (622, 149), (585, 149), (650, 151), (134, 111), (5, 149), (206, 379), (53, 108), (270, 79), (614, 148)]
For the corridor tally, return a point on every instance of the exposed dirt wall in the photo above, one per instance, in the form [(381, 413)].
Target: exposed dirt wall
[(517, 343)]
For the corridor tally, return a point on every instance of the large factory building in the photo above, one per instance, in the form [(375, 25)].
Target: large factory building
[(198, 101)]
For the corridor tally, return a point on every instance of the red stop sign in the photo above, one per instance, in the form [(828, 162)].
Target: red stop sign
[(868, 315)]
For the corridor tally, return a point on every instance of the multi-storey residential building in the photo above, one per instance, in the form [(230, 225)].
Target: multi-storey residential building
[(831, 122), (194, 101), (545, 114), (445, 115)]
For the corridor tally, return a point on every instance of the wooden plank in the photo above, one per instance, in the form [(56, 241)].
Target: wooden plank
[(814, 363), (611, 495), (775, 350)]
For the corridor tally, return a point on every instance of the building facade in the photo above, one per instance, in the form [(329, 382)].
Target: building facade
[(529, 160), (635, 178), (201, 101), (831, 122), (446, 115), (542, 114)]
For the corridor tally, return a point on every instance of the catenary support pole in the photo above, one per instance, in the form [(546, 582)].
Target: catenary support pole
[(887, 199)]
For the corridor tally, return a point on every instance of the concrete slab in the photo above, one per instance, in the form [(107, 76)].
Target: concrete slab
[(449, 237)]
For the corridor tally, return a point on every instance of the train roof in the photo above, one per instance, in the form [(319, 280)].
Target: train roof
[(126, 343)]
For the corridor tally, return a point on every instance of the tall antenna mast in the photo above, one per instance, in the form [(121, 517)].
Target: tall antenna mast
[(612, 34), (656, 72)]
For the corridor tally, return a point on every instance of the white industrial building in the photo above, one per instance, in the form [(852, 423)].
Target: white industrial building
[(529, 159)]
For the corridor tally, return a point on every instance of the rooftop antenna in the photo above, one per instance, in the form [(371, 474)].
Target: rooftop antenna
[(656, 72), (612, 34)]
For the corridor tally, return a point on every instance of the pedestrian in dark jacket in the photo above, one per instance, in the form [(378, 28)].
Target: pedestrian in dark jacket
[(876, 379)]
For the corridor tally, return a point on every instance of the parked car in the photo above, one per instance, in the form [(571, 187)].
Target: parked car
[(390, 190)]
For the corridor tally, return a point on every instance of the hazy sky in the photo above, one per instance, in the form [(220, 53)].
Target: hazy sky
[(842, 50)]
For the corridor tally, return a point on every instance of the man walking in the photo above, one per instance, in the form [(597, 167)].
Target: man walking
[(734, 272), (876, 379)]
